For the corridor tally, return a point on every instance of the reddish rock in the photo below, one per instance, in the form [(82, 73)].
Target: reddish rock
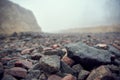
[(23, 63), (69, 77), (27, 51), (17, 72), (55, 46), (54, 77), (67, 60), (99, 73)]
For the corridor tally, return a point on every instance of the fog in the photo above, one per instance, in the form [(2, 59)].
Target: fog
[(56, 15)]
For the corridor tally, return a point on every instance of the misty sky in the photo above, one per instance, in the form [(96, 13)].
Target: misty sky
[(55, 15)]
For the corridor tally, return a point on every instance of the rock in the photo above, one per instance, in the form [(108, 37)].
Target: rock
[(50, 64), (36, 56), (8, 77), (69, 77), (27, 51), (86, 55), (55, 46), (83, 75), (100, 73), (77, 67), (114, 51), (23, 63), (54, 77), (67, 60), (1, 70), (58, 52), (33, 74), (67, 69), (15, 18), (102, 46), (17, 72), (43, 77), (116, 46)]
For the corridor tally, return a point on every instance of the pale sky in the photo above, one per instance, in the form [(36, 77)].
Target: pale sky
[(56, 15)]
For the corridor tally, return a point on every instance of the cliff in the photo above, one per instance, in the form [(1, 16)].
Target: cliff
[(14, 18)]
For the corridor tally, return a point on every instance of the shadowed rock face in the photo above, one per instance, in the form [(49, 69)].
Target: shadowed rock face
[(14, 18)]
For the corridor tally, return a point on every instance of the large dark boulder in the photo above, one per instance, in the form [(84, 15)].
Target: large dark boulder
[(87, 55), (14, 18)]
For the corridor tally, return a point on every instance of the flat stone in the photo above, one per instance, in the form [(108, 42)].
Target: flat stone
[(86, 55), (17, 72), (54, 77), (23, 63), (27, 51), (50, 64), (100, 73)]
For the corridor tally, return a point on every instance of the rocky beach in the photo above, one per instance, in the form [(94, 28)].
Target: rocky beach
[(47, 56)]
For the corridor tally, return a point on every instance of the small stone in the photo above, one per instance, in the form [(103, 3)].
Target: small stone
[(99, 73), (67, 60), (36, 56), (55, 46), (8, 77), (67, 69), (102, 46), (77, 67), (69, 77), (33, 74), (43, 77), (58, 52), (83, 75), (23, 63), (50, 64), (27, 51), (17, 72), (54, 77)]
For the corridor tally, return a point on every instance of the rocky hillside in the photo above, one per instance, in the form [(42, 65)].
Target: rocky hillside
[(14, 18), (97, 29)]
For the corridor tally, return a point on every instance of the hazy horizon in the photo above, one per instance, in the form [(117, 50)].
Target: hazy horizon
[(56, 15)]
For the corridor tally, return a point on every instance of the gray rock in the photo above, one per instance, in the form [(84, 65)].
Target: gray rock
[(50, 64), (83, 75), (77, 67), (33, 74), (114, 51), (86, 55), (67, 69)]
